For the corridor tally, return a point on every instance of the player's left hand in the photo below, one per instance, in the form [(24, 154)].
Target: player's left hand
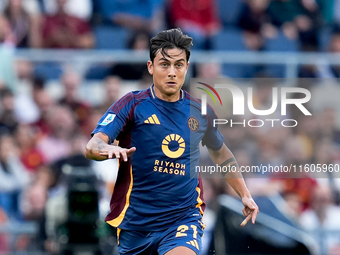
[(250, 210)]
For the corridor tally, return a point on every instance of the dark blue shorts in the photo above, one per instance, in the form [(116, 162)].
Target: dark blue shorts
[(186, 233)]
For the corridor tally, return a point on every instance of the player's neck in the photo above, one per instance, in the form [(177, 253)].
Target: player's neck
[(169, 98)]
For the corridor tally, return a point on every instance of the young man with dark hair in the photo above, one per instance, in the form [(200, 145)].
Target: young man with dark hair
[(157, 205)]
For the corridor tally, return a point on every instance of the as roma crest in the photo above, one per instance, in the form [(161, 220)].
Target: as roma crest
[(193, 124)]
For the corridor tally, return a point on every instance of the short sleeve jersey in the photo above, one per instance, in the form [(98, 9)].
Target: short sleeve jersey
[(156, 187)]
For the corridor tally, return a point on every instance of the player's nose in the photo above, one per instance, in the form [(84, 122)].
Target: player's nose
[(172, 71)]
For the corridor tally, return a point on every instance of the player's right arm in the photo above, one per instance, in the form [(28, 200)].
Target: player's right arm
[(98, 148)]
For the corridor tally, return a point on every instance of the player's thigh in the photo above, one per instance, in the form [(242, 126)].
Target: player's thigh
[(183, 238), (136, 243), (181, 250)]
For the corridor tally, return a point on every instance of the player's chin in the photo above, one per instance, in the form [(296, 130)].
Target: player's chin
[(172, 88)]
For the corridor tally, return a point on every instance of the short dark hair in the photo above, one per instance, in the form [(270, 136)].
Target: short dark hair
[(170, 39)]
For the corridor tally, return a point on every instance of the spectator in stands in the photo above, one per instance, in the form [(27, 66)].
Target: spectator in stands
[(33, 203), (4, 239), (57, 145), (6, 35), (13, 176), (331, 71), (332, 13), (66, 31), (71, 82), (254, 18), (308, 131), (328, 128), (25, 108), (112, 86), (31, 6), (132, 14), (139, 43), (8, 120), (309, 24), (45, 103), (25, 23), (282, 14), (198, 19), (298, 20), (323, 215), (328, 154), (209, 70), (35, 195), (30, 155), (296, 152), (78, 8), (256, 23)]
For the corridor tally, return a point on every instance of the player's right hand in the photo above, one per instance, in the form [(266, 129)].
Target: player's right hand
[(250, 210), (118, 152)]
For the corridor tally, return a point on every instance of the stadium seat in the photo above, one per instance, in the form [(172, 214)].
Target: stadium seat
[(49, 71), (229, 11), (108, 37), (97, 72), (229, 39), (324, 38), (232, 40), (280, 44)]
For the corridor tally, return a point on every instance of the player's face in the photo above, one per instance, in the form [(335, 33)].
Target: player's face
[(169, 73)]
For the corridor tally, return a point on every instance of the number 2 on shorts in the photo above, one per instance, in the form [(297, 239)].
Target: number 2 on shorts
[(182, 228)]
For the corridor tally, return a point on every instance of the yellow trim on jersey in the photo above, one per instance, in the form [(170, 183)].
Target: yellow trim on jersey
[(152, 92), (118, 232), (199, 200), (116, 222), (202, 225)]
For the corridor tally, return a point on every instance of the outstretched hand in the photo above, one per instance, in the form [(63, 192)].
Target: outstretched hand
[(250, 210), (117, 152)]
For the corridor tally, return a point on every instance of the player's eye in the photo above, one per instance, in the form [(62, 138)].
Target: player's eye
[(179, 65), (164, 64)]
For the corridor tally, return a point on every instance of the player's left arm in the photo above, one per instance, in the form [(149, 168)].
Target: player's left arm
[(224, 157)]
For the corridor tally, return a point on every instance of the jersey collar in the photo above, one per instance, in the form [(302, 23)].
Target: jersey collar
[(153, 94)]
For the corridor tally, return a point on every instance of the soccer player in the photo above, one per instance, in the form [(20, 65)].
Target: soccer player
[(157, 205)]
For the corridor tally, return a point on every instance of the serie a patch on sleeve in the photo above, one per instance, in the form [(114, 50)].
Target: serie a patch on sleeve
[(108, 119)]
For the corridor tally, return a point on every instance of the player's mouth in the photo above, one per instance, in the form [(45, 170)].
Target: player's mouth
[(171, 83)]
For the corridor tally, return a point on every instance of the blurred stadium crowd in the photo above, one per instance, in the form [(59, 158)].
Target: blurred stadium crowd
[(40, 132)]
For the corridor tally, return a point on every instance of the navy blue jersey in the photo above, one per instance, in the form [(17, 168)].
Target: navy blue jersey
[(155, 188)]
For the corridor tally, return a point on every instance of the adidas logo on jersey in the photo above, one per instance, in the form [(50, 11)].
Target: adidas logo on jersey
[(152, 120)]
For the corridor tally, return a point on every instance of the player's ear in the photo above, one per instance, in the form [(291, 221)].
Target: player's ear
[(150, 67)]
